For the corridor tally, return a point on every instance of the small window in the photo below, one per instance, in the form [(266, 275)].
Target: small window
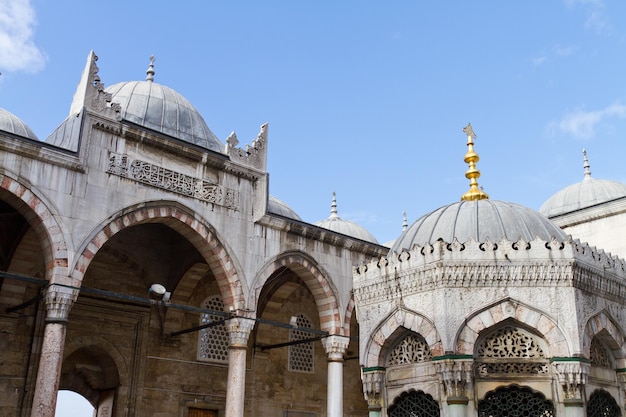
[(411, 349), (301, 355), (213, 341)]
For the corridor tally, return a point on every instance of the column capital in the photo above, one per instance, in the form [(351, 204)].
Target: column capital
[(373, 386), (59, 300), (455, 373), (336, 346), (572, 374), (239, 328)]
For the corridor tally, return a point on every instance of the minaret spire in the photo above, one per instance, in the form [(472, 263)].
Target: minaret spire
[(472, 174), (586, 165), (150, 70)]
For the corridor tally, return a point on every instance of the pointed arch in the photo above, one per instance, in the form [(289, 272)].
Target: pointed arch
[(603, 325), (316, 280), (184, 221), (400, 317), (507, 309), (40, 214)]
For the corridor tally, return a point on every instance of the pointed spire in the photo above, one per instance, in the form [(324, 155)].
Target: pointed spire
[(586, 165), (89, 79), (405, 224), (333, 207), (472, 174), (150, 70)]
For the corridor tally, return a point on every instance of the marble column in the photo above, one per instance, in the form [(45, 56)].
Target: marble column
[(335, 348), (573, 377), (373, 389), (239, 329), (455, 374), (58, 301)]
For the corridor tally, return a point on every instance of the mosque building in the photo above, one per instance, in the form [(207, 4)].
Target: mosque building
[(146, 267)]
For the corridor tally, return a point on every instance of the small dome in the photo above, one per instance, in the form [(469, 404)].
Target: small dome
[(345, 227), (164, 110), (479, 220), (276, 206), (12, 124)]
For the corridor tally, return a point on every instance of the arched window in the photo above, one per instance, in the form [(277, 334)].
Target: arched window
[(515, 401), (213, 341), (301, 354), (602, 404), (411, 349), (414, 404), (510, 350), (599, 353)]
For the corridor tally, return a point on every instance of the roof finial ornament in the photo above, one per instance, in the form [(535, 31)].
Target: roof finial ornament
[(405, 224), (472, 174), (150, 70), (333, 206), (586, 164)]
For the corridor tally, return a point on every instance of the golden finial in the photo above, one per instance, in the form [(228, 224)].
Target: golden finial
[(472, 174)]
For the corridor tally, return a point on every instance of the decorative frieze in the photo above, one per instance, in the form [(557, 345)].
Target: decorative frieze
[(156, 176)]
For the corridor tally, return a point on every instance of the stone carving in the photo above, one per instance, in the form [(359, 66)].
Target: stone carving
[(101, 99), (573, 377), (253, 155), (373, 386), (156, 176), (599, 354), (411, 349), (59, 301), (454, 375)]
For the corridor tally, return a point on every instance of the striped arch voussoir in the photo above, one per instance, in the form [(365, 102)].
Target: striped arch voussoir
[(203, 239), (316, 282), (510, 309)]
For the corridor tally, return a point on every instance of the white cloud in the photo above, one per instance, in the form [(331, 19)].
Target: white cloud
[(583, 124), (18, 51), (596, 16)]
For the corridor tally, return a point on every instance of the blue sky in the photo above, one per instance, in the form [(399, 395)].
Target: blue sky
[(362, 98), (367, 99)]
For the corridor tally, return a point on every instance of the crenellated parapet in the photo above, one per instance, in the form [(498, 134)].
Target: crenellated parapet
[(90, 92), (489, 264), (254, 155)]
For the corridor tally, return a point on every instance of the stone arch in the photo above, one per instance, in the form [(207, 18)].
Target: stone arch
[(38, 212), (98, 362), (602, 324), (395, 320), (507, 309), (321, 287), (184, 221)]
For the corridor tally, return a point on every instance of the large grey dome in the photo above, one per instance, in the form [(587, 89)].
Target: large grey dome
[(160, 108), (276, 206), (589, 192), (12, 124), (345, 227), (479, 220)]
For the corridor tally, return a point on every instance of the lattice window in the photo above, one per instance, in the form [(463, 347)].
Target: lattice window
[(510, 350), (301, 355), (515, 402), (600, 356), (602, 404), (414, 404), (213, 341), (510, 342), (413, 348)]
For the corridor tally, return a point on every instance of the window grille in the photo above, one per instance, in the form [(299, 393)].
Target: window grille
[(602, 404), (213, 341), (599, 354), (413, 348), (515, 402), (414, 404), (301, 355)]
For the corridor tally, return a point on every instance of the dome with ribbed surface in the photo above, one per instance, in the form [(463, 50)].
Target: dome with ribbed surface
[(164, 110), (345, 227), (12, 124), (276, 206), (479, 220)]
